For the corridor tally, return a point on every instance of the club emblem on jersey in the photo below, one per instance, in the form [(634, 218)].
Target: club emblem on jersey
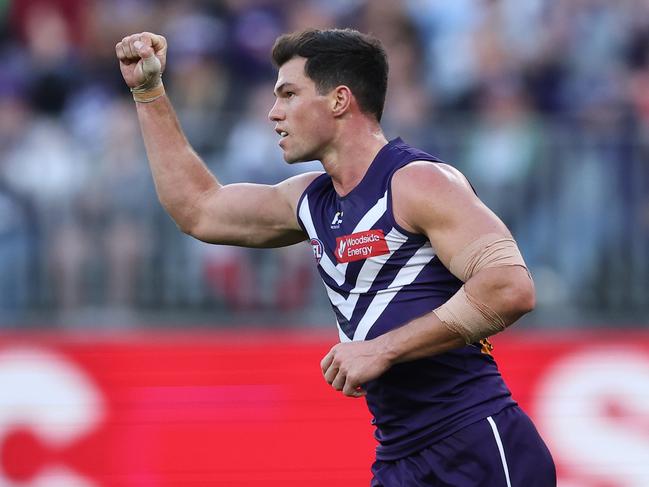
[(317, 247), (337, 220), (359, 246)]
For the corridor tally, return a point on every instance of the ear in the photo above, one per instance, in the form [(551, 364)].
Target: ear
[(341, 100)]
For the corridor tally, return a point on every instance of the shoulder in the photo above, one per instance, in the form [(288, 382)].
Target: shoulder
[(293, 188), (431, 179), (424, 189)]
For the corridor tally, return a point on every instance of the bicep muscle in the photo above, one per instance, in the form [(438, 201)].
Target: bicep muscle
[(251, 215)]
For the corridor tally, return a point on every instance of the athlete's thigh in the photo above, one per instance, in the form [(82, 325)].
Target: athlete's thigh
[(503, 450), (529, 462), (468, 458)]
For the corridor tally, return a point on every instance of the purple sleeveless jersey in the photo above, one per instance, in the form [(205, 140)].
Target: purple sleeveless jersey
[(378, 276)]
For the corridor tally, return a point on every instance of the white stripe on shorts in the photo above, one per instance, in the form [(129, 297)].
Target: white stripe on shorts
[(500, 449)]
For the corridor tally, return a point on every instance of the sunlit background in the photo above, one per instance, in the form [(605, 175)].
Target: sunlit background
[(543, 104)]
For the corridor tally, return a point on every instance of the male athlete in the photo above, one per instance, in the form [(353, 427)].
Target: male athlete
[(418, 270)]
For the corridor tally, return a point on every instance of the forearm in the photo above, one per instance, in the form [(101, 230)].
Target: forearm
[(181, 178), (506, 292), (422, 337)]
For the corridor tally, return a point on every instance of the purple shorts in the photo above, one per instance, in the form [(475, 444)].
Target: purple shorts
[(503, 450)]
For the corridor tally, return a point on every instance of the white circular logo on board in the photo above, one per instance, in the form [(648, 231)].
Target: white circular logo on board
[(592, 408), (48, 397)]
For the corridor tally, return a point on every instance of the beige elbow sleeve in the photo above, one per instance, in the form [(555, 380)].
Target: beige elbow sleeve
[(469, 318), (491, 250), (464, 314)]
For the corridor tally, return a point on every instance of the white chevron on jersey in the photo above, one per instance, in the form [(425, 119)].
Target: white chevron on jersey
[(373, 215), (341, 334), (364, 281), (369, 271), (337, 271), (406, 276)]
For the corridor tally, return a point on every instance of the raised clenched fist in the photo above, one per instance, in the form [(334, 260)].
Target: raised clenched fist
[(142, 59)]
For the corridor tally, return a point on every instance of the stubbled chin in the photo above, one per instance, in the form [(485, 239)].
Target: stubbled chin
[(288, 156), (289, 159), (293, 157)]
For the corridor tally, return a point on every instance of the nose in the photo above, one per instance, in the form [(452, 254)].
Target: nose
[(276, 114)]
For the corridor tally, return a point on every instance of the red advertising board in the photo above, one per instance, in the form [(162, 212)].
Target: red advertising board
[(165, 409)]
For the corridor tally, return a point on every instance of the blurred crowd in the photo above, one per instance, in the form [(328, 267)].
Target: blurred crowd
[(544, 104)]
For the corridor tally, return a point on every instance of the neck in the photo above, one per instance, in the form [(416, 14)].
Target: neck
[(351, 155)]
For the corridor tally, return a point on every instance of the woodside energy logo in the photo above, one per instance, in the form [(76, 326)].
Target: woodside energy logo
[(359, 246)]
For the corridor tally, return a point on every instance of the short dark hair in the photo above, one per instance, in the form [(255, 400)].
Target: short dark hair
[(340, 57)]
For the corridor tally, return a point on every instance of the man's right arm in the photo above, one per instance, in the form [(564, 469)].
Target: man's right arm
[(251, 215), (239, 214)]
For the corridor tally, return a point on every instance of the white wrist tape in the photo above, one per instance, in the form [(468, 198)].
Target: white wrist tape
[(147, 95), (152, 88)]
